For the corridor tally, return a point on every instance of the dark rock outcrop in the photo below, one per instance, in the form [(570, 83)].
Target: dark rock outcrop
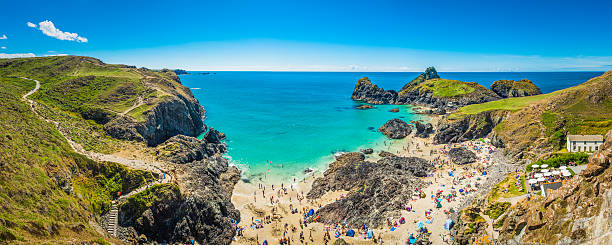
[(468, 127), (462, 155), (368, 92), (183, 149), (511, 88), (376, 189), (396, 129), (203, 212), (414, 93), (364, 107), (423, 130), (177, 115), (367, 151), (430, 73)]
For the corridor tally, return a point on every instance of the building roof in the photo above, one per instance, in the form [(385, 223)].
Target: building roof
[(585, 137)]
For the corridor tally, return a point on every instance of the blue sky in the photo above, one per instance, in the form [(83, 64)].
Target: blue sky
[(318, 35)]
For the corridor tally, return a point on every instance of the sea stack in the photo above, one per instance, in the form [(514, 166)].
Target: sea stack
[(511, 88)]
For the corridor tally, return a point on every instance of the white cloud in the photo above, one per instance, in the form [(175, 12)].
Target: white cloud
[(3, 47), (48, 28), (2, 37), (23, 55)]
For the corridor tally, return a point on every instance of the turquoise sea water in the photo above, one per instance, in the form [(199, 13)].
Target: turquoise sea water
[(297, 120)]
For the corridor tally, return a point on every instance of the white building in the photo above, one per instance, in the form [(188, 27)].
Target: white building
[(584, 143)]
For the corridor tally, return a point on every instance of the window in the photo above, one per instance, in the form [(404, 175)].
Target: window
[(596, 148)]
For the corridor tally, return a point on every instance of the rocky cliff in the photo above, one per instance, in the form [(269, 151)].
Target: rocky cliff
[(469, 127), (396, 129), (108, 110), (368, 92), (511, 88), (377, 190), (427, 89), (577, 213)]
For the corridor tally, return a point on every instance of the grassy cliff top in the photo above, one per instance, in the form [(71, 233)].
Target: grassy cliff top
[(509, 104), (446, 88), (49, 193), (84, 85)]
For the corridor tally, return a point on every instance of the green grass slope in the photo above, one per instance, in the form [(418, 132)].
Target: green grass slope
[(447, 88), (538, 124), (83, 93), (48, 193)]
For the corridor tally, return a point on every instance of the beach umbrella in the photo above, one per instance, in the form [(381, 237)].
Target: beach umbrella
[(547, 174), (563, 167), (420, 224), (541, 179), (544, 166), (567, 174), (535, 166), (538, 175), (556, 172), (311, 212), (350, 233), (545, 170), (448, 224), (533, 181)]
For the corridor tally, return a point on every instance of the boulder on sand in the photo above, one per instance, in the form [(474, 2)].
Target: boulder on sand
[(423, 130), (396, 129), (367, 151), (462, 155)]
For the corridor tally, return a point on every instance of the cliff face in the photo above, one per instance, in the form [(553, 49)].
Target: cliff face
[(577, 213), (201, 210), (105, 108), (510, 88), (427, 89), (366, 91), (469, 127)]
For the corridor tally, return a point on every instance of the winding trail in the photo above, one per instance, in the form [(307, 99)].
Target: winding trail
[(152, 166), (138, 103)]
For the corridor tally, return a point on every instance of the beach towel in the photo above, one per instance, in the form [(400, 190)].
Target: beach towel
[(370, 233)]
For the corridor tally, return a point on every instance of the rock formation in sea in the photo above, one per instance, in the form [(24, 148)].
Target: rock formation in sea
[(427, 89), (377, 190), (511, 88), (396, 129), (368, 92)]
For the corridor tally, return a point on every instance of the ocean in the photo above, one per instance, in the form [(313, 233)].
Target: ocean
[(278, 124)]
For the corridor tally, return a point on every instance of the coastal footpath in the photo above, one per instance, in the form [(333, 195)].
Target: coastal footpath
[(95, 152)]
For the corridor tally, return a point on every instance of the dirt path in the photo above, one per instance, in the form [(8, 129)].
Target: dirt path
[(153, 166), (138, 103)]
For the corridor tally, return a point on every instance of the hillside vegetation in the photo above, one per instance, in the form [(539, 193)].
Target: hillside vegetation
[(535, 125), (48, 192)]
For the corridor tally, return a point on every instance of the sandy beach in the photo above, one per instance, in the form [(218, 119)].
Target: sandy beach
[(271, 206)]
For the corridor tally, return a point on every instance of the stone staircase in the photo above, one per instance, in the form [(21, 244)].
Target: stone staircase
[(112, 219)]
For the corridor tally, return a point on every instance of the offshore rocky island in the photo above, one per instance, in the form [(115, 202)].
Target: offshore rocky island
[(102, 153)]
